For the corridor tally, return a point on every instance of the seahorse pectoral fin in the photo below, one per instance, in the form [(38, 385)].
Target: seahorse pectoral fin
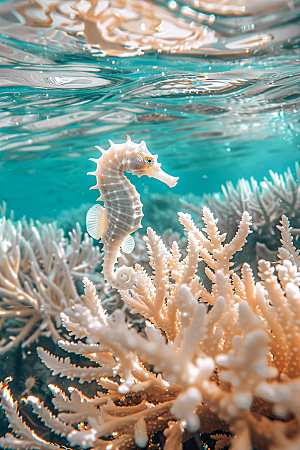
[(128, 244), (96, 221)]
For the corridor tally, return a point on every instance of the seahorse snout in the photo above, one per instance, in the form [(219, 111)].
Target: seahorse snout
[(160, 175)]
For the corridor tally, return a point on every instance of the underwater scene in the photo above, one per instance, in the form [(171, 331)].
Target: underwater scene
[(150, 224)]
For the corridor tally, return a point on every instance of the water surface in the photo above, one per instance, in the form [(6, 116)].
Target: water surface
[(212, 88)]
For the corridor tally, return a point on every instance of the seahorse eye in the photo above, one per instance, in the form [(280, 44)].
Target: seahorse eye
[(149, 161)]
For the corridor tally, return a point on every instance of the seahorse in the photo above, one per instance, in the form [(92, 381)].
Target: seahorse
[(122, 212)]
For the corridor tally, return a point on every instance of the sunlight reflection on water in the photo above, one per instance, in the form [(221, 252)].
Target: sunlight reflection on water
[(197, 79)]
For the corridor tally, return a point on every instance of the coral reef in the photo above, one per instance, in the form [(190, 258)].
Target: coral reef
[(265, 201), (68, 218), (223, 361), (161, 212), (38, 273)]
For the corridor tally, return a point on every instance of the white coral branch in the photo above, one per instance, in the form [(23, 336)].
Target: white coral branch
[(25, 437), (36, 287), (229, 366), (288, 250)]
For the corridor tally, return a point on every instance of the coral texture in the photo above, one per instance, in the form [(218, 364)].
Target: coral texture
[(266, 202), (225, 359), (38, 270)]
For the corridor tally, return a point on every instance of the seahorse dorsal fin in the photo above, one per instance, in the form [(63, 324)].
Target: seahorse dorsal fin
[(128, 244), (96, 221)]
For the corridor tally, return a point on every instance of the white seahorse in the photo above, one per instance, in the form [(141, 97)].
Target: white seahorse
[(122, 211)]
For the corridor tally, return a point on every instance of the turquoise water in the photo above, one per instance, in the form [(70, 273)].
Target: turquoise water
[(213, 89), (227, 110)]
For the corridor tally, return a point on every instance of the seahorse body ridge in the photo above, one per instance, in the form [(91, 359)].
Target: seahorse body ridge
[(122, 212)]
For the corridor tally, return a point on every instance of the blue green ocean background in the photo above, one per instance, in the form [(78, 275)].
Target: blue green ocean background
[(212, 88), (227, 110)]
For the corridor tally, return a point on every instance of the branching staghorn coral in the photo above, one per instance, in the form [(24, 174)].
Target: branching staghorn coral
[(234, 366), (38, 270), (288, 250), (266, 202)]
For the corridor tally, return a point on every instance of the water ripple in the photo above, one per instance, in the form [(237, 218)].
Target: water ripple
[(185, 85), (212, 77), (129, 28), (48, 79)]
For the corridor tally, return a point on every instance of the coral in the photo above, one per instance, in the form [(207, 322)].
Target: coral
[(160, 211), (288, 250), (38, 271), (110, 297), (224, 361), (68, 218), (265, 201)]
